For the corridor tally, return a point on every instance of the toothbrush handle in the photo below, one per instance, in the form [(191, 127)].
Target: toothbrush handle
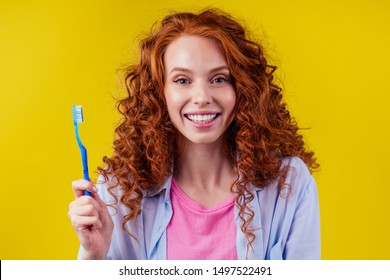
[(84, 158)]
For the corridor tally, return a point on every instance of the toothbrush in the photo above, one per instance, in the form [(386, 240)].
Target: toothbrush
[(78, 118)]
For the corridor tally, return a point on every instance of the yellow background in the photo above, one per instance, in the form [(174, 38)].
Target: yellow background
[(333, 59)]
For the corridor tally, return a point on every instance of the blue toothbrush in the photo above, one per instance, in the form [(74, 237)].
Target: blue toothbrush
[(78, 117)]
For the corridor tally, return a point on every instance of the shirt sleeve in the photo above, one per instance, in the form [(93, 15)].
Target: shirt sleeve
[(303, 240)]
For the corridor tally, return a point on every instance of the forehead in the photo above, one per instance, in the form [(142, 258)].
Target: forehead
[(193, 53)]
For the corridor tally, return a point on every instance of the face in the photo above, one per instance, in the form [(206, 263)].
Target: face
[(198, 90)]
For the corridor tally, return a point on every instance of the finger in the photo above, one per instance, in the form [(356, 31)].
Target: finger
[(84, 201), (85, 210), (79, 186), (81, 223)]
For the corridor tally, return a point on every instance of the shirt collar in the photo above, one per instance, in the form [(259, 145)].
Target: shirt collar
[(168, 181), (165, 187)]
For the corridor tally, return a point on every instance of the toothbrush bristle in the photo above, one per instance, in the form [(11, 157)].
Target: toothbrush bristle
[(78, 116)]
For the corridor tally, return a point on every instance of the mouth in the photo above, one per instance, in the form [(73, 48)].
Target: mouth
[(202, 118)]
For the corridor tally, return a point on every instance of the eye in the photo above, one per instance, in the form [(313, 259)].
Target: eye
[(181, 81), (220, 80)]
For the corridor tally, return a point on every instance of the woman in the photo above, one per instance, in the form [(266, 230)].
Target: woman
[(207, 161)]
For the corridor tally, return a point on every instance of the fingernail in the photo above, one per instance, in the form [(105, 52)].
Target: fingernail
[(95, 189)]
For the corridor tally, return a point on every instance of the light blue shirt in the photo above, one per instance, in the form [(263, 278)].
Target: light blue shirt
[(286, 221)]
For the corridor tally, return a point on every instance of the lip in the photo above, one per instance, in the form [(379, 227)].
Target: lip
[(206, 124), (201, 113)]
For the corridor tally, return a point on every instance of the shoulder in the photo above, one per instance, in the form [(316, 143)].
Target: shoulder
[(289, 212), (296, 170), (295, 165), (298, 179)]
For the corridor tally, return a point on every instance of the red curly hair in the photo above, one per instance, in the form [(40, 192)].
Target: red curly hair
[(261, 134)]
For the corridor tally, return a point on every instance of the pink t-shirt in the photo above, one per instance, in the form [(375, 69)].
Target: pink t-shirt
[(198, 233)]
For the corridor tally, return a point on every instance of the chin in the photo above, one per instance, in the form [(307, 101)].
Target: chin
[(202, 140)]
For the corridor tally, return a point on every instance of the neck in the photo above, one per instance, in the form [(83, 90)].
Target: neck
[(204, 166)]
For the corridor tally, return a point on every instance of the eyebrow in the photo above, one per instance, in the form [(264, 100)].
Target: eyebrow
[(185, 70)]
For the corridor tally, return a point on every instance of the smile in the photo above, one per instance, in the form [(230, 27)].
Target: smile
[(202, 118)]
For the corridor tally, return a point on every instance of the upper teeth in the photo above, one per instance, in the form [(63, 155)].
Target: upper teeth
[(202, 118)]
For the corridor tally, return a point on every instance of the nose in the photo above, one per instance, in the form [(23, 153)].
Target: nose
[(201, 96)]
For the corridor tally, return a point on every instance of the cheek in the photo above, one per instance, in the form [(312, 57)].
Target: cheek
[(174, 101), (173, 108), (168, 99), (230, 100)]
